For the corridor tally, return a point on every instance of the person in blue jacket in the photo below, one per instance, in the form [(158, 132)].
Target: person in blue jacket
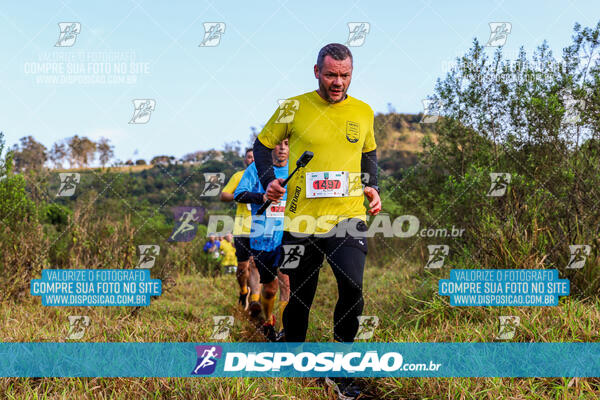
[(265, 240), (212, 245)]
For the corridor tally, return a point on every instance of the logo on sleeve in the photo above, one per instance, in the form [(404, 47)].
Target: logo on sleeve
[(352, 131)]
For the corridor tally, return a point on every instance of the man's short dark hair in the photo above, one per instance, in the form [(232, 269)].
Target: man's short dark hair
[(336, 51), (249, 149)]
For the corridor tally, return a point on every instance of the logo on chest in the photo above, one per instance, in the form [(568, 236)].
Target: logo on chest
[(352, 131)]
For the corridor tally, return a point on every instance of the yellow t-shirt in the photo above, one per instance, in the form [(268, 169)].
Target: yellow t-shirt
[(337, 134), (228, 252), (243, 217)]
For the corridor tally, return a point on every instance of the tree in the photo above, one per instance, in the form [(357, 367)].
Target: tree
[(58, 154), (253, 135), (30, 154), (162, 160), (235, 147), (23, 246), (105, 151), (194, 157), (203, 156), (81, 151), (535, 119)]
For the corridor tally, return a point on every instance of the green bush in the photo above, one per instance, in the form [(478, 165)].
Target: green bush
[(22, 243), (509, 116)]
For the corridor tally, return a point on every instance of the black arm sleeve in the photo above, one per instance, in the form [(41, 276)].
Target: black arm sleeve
[(264, 163), (368, 164), (249, 197)]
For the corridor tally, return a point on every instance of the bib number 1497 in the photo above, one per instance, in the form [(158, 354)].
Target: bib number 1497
[(327, 184)]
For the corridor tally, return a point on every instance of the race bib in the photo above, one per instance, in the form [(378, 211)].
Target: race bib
[(276, 209), (327, 184)]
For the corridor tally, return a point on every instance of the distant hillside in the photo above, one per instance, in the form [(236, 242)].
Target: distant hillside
[(162, 186), (123, 168), (398, 139), (141, 188)]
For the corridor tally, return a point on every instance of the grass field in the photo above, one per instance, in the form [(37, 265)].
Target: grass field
[(403, 299)]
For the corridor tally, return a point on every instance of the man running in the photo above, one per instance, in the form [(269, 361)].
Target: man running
[(265, 238), (339, 130), (247, 275), (228, 259)]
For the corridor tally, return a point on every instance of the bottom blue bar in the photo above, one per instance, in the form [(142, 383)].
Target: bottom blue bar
[(300, 359)]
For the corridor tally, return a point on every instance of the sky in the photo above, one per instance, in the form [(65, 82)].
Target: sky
[(203, 96)]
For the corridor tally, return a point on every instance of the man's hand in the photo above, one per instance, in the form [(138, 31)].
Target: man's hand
[(275, 190), (374, 200)]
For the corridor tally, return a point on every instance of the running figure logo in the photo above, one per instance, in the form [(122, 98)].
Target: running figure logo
[(431, 111), (207, 359), (366, 326), (68, 183), (287, 111), (68, 33), (142, 110), (357, 182), (508, 327), (148, 254), (437, 255), (186, 224), (221, 326), (579, 254), (213, 181), (77, 325), (212, 34), (498, 33), (358, 33), (291, 256), (500, 182)]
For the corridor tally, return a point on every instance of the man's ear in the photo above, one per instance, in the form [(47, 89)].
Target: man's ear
[(316, 71)]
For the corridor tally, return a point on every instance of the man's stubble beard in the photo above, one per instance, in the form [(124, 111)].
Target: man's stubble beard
[(324, 90)]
